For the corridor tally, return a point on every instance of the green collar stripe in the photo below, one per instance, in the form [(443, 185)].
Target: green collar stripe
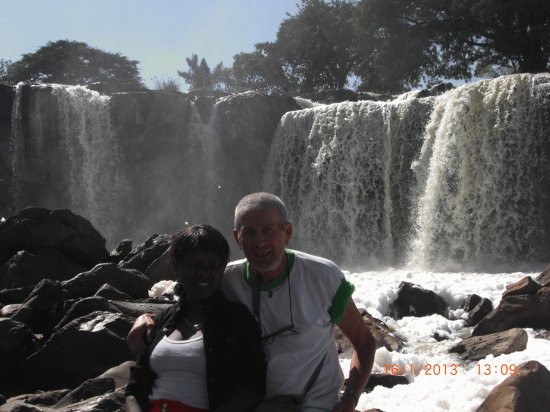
[(340, 301), (278, 281)]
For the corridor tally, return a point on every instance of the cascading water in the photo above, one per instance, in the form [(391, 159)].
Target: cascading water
[(64, 153), (344, 170), (484, 175)]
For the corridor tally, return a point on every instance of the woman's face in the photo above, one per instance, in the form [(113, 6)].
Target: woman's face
[(200, 274)]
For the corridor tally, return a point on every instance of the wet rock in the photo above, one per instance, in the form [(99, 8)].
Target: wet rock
[(544, 277), (38, 228), (479, 347), (129, 281), (526, 391), (143, 255), (101, 341), (109, 292), (382, 334), (43, 308), (27, 269), (161, 269), (413, 300), (16, 295), (85, 306), (482, 309), (89, 389), (518, 311), (122, 250), (387, 381), (524, 286), (16, 343), (470, 302)]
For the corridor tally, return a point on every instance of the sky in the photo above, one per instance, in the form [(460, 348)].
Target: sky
[(159, 34)]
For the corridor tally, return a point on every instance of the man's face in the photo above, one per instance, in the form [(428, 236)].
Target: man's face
[(263, 237)]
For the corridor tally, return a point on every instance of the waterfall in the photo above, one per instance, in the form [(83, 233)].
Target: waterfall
[(64, 153), (344, 172), (484, 177)]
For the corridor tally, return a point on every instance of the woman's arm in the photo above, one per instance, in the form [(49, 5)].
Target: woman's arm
[(131, 404)]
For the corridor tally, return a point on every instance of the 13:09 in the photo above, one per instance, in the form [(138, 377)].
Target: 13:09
[(503, 369)]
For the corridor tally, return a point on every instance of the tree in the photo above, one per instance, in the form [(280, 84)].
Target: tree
[(6, 71), (261, 71), (313, 51), (71, 62), (167, 84), (404, 43), (199, 76)]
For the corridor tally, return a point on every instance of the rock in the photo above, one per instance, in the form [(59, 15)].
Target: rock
[(479, 347), (126, 280), (38, 228), (120, 374), (382, 334), (544, 277), (109, 292), (27, 269), (161, 269), (89, 389), (8, 310), (122, 250), (518, 311), (413, 300), (387, 381), (482, 309), (526, 391), (83, 307), (16, 343), (16, 295), (43, 308), (470, 302), (146, 253), (48, 398), (524, 286), (100, 339)]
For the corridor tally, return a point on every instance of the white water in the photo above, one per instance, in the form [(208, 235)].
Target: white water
[(78, 168), (459, 388)]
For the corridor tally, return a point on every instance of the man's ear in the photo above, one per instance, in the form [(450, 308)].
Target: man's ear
[(288, 232), (236, 237)]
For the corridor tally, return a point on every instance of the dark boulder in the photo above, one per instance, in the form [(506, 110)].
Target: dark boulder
[(161, 269), (80, 350), (526, 391), (82, 307), (413, 300), (89, 389), (482, 309), (479, 347), (518, 311), (524, 286), (146, 253), (43, 308), (129, 281), (27, 269), (16, 295), (111, 293), (470, 302), (16, 344), (38, 228), (122, 250)]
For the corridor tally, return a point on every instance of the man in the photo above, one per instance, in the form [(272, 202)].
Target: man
[(297, 298)]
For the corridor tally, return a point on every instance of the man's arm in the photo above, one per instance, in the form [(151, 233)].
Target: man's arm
[(364, 347), (141, 334)]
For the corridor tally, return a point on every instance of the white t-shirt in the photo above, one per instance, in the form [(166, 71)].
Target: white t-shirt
[(318, 294), (181, 371)]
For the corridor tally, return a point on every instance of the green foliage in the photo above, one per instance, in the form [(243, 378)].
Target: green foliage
[(167, 84), (71, 62), (404, 43), (199, 76), (6, 71), (314, 51)]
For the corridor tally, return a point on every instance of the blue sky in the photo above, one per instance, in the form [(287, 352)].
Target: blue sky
[(159, 34)]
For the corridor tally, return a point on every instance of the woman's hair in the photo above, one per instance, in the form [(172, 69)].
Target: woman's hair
[(195, 238)]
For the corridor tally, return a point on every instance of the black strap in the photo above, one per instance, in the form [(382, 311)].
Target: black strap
[(255, 296), (314, 375)]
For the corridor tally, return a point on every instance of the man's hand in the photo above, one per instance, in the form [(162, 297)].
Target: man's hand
[(346, 404), (141, 334)]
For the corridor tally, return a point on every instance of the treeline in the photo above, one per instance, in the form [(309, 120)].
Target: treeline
[(375, 45)]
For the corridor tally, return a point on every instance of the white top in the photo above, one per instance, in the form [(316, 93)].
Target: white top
[(292, 358), (181, 371)]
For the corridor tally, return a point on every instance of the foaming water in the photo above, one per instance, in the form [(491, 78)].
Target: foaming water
[(449, 383), (67, 156), (483, 171), (344, 171)]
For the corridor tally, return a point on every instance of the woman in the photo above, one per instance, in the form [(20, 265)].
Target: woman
[(206, 354)]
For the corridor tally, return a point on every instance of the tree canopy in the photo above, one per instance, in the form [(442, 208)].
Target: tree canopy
[(199, 76), (402, 44), (71, 62)]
